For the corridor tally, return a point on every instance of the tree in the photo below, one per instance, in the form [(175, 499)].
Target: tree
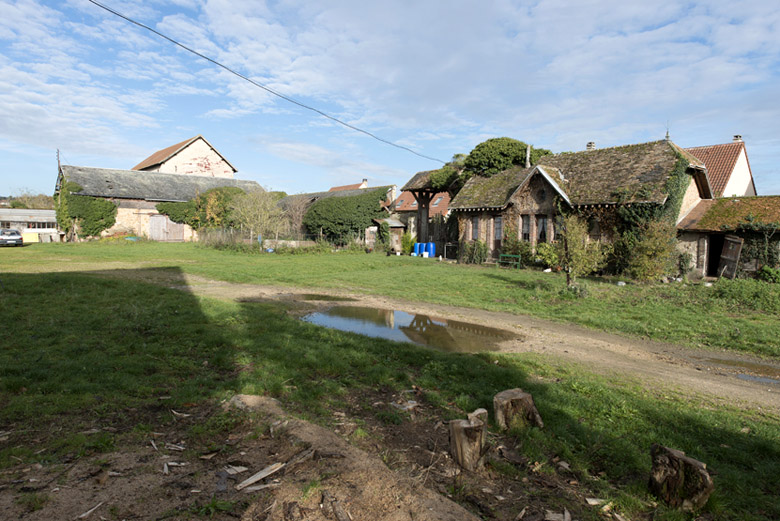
[(28, 200), (258, 213), (576, 254), (211, 209), (339, 217), (653, 253), (294, 211), (498, 154)]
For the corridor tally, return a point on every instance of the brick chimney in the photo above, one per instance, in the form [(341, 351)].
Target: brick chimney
[(591, 145), (737, 138)]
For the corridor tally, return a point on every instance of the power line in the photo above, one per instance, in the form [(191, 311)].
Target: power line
[(260, 85)]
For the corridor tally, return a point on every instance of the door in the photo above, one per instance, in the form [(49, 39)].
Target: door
[(729, 257), (161, 228)]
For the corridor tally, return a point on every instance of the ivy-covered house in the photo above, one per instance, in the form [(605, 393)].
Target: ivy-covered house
[(125, 201), (611, 187)]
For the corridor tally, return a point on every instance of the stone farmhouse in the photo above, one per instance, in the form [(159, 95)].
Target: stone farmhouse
[(177, 173)]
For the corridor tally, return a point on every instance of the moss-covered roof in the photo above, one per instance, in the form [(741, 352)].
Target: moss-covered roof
[(316, 196), (631, 173), (420, 181), (729, 213)]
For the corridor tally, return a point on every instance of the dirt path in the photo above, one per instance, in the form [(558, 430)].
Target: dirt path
[(720, 376)]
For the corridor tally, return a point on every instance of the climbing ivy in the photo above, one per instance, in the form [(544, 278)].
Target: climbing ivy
[(339, 217), (761, 243), (83, 214)]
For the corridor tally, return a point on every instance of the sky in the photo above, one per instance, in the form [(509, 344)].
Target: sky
[(438, 77)]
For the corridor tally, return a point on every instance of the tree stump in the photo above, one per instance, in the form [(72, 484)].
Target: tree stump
[(514, 407), (467, 439), (680, 481)]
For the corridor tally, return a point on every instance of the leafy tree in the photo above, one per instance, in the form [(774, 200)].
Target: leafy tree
[(211, 209), (338, 217), (257, 213), (653, 254), (444, 177), (576, 255), (498, 154)]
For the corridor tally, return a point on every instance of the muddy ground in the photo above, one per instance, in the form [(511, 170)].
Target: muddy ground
[(359, 467)]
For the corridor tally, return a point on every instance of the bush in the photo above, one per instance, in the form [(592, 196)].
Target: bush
[(511, 245), (653, 254), (407, 243), (547, 255), (748, 294), (474, 252), (768, 274)]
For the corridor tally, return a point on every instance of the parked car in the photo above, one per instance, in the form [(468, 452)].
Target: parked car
[(10, 237)]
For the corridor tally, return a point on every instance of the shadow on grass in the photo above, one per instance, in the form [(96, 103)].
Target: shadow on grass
[(87, 347)]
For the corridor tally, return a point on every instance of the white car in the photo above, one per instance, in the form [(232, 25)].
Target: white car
[(10, 237)]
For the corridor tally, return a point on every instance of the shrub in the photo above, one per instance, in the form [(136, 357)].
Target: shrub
[(768, 274), (474, 252), (547, 255), (407, 243), (684, 261), (653, 254), (82, 213), (511, 245)]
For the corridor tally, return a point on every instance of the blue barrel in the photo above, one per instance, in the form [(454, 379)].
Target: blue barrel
[(418, 248), (431, 247)]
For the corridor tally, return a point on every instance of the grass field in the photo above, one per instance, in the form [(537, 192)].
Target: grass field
[(87, 348)]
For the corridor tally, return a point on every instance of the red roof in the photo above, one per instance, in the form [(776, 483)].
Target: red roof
[(357, 186), (720, 161), (166, 153), (439, 204)]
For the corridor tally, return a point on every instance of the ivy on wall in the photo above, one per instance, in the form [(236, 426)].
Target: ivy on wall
[(83, 214), (339, 217)]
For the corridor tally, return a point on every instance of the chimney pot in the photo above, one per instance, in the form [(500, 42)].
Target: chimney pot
[(737, 138), (591, 145)]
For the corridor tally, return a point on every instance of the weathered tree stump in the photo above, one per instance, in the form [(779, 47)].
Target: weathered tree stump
[(514, 407), (467, 439), (680, 481)]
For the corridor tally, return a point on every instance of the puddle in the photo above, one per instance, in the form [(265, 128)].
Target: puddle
[(448, 335), (325, 298), (761, 379), (754, 367)]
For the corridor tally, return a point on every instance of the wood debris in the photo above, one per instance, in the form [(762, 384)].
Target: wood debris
[(233, 470), (269, 470), (334, 506), (165, 469), (255, 488), (521, 515), (180, 414), (88, 512), (209, 456), (173, 446), (154, 445)]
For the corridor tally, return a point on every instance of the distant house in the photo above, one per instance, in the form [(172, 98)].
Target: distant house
[(357, 186), (595, 181), (137, 193), (728, 168), (34, 225), (407, 208), (194, 156)]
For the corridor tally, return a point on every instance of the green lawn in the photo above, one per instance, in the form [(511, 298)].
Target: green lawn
[(89, 349), (735, 315)]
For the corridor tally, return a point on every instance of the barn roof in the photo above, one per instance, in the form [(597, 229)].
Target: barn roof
[(728, 213), (149, 186)]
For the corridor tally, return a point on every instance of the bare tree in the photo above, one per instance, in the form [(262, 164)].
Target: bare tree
[(295, 210), (257, 213)]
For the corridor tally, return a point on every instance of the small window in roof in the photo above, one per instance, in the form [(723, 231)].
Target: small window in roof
[(438, 200), (414, 203), (400, 202)]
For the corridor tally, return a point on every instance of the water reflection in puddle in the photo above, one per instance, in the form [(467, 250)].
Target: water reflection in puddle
[(449, 335), (763, 380), (760, 372)]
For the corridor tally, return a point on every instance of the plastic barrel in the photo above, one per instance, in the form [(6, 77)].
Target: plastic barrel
[(417, 248), (432, 249)]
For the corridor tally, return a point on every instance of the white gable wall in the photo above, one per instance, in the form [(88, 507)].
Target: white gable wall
[(740, 181), (690, 199), (198, 158)]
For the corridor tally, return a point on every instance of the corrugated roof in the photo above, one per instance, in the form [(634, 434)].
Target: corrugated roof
[(729, 212), (405, 201), (720, 161), (26, 214), (150, 186), (166, 153)]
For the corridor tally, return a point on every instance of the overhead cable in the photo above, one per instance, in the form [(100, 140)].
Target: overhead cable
[(260, 85)]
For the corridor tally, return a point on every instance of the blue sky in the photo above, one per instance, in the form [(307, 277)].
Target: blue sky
[(436, 76)]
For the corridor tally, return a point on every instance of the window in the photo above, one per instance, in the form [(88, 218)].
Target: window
[(526, 227), (498, 228), (400, 202), (475, 228), (541, 228), (438, 200), (413, 204)]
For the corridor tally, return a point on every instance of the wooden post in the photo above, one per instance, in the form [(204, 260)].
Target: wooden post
[(467, 439), (515, 407), (678, 480)]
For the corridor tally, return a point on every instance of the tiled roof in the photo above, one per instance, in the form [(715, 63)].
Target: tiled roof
[(356, 186), (166, 153), (150, 186), (729, 212), (405, 201), (720, 161)]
